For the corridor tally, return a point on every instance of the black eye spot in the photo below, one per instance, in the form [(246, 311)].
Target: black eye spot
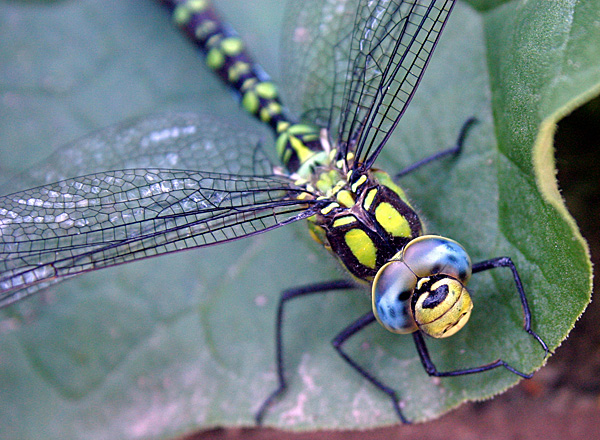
[(403, 296), (436, 297)]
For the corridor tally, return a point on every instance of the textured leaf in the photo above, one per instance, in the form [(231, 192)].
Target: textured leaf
[(169, 345)]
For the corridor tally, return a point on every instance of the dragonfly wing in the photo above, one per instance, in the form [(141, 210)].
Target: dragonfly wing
[(104, 219), (390, 50), (354, 66), (315, 48), (185, 141)]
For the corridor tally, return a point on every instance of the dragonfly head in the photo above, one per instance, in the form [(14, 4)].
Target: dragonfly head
[(423, 288)]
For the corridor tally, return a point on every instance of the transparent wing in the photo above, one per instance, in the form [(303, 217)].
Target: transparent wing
[(314, 50), (354, 66), (388, 59), (185, 141), (100, 220)]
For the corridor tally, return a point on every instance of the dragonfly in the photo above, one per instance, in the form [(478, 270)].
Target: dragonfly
[(353, 85)]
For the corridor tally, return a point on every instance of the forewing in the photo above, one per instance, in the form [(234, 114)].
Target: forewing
[(388, 56), (353, 66), (100, 220)]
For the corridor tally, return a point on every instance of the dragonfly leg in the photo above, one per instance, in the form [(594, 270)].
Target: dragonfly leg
[(287, 295), (452, 151), (433, 371), (495, 263), (346, 334), (481, 267)]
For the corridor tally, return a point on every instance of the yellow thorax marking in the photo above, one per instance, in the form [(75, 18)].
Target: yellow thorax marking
[(329, 208), (362, 179), (369, 199), (345, 198), (391, 220), (343, 221), (362, 247)]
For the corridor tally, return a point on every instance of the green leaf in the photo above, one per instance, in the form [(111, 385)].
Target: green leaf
[(178, 343)]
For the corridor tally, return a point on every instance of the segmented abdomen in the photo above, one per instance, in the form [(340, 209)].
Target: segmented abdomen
[(226, 55)]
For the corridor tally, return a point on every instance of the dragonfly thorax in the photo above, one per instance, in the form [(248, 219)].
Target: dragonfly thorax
[(365, 223)]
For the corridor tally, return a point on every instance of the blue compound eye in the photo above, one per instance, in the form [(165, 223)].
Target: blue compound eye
[(392, 290), (431, 254)]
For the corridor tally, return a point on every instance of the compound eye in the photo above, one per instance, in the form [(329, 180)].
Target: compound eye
[(441, 305), (431, 254), (391, 294)]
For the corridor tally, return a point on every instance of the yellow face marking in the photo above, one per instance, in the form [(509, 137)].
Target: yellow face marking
[(449, 315), (342, 221), (391, 220), (369, 199), (362, 247)]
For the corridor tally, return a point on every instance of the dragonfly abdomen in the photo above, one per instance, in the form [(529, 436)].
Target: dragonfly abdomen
[(226, 55)]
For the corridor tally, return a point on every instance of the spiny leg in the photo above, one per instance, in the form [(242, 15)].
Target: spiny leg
[(452, 151), (481, 267), (287, 295), (346, 334)]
